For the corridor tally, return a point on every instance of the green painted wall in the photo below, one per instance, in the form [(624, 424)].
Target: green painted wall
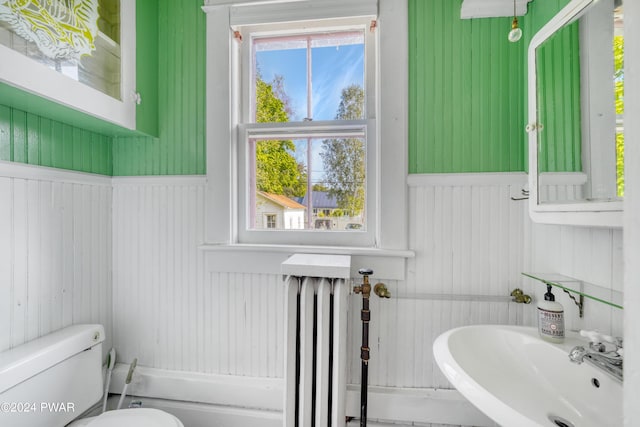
[(539, 13), (147, 66), (180, 146), (559, 109), (467, 97), (32, 139), (562, 147), (468, 91), (466, 110)]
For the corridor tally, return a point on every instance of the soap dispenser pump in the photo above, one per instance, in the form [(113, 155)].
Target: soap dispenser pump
[(551, 318)]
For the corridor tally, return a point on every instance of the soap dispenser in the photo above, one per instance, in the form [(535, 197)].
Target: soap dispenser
[(551, 318)]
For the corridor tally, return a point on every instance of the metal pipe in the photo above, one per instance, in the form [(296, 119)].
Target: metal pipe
[(363, 394), (365, 316)]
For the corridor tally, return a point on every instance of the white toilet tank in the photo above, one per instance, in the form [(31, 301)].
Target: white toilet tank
[(53, 379)]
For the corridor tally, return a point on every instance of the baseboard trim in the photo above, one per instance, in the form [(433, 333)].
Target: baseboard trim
[(416, 405), (193, 414), (386, 404), (224, 390)]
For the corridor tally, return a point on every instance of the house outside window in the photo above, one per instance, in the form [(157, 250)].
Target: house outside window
[(270, 207)]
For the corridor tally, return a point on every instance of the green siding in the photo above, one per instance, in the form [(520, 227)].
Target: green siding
[(465, 92), (36, 140), (180, 147)]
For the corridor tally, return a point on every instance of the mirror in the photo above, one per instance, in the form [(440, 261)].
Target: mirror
[(576, 132)]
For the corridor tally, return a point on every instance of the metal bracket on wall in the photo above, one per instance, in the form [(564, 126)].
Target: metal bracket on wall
[(579, 302), (525, 194)]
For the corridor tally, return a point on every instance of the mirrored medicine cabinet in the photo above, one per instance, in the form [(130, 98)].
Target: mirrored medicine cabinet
[(575, 121)]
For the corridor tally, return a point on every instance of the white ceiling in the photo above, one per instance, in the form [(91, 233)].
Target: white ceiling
[(491, 8)]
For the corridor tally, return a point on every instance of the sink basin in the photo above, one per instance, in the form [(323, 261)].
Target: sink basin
[(517, 379)]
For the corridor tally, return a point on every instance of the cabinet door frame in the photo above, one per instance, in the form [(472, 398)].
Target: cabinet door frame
[(26, 74)]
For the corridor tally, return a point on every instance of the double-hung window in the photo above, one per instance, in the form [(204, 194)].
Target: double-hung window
[(307, 121), (307, 132)]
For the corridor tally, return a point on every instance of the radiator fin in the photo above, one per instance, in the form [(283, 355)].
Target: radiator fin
[(316, 340)]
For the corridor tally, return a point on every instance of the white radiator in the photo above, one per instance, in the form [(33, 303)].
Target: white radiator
[(316, 349)]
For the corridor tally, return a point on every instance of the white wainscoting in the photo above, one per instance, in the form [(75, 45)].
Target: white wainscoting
[(468, 236), (159, 298), (177, 307), (593, 255), (171, 312), (169, 307), (175, 310), (55, 252)]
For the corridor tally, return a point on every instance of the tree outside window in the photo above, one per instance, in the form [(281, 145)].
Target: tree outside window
[(321, 70)]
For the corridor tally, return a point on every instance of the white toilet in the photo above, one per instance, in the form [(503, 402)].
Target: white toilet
[(139, 417), (51, 380)]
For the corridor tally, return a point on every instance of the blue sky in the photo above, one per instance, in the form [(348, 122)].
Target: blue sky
[(333, 68)]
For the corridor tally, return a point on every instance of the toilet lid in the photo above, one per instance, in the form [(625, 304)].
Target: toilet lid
[(136, 417)]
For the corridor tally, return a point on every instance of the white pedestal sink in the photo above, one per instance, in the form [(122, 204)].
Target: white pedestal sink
[(519, 380)]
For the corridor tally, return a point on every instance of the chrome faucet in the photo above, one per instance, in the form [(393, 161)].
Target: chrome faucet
[(599, 354)]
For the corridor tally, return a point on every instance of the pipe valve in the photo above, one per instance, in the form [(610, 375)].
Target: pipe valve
[(381, 290)]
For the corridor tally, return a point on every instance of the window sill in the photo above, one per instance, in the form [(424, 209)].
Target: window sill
[(387, 264), (306, 249)]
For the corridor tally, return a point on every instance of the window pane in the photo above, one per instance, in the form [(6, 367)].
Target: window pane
[(338, 82), (280, 85), (81, 42), (308, 183), (309, 76)]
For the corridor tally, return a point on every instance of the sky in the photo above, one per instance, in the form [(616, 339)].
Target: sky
[(332, 69)]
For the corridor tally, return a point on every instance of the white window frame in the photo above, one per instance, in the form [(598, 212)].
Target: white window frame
[(314, 130), (224, 116)]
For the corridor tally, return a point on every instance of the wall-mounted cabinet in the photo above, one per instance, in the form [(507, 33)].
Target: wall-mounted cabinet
[(576, 133), (82, 58)]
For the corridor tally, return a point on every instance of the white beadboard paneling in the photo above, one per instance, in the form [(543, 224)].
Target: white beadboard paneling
[(63, 232), (561, 186), (181, 308), (172, 309), (593, 255), (6, 262), (402, 331), (19, 313), (468, 237), (55, 252), (247, 321)]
